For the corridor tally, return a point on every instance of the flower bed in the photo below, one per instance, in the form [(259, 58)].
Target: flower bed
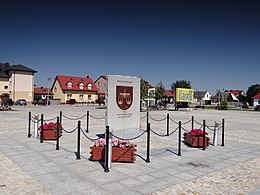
[(122, 150), (50, 131), (195, 138)]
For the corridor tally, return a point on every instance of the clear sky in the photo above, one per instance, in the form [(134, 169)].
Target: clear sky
[(215, 44)]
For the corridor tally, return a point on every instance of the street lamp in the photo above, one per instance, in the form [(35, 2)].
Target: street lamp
[(48, 96)]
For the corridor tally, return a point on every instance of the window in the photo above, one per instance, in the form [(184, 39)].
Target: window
[(81, 85), (69, 96), (89, 97), (81, 97), (69, 85), (89, 86), (5, 87)]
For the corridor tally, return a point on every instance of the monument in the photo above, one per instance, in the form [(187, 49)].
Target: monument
[(123, 103)]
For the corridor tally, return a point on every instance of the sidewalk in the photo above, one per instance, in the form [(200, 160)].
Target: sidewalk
[(28, 166)]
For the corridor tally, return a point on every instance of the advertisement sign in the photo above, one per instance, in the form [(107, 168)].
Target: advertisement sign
[(184, 95)]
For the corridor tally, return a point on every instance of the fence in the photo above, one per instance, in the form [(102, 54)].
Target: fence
[(168, 120)]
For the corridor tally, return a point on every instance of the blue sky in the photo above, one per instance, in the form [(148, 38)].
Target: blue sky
[(215, 44)]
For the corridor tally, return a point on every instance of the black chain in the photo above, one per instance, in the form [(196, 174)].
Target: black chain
[(157, 119), (91, 139), (186, 122), (33, 120), (184, 129), (128, 138), (198, 123), (98, 118), (143, 117), (161, 135), (70, 131), (74, 118), (50, 119), (173, 121), (174, 131)]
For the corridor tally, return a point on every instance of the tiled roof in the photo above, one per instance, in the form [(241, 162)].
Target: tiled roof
[(76, 81), (170, 93), (42, 91), (257, 96), (102, 76), (234, 92), (19, 67)]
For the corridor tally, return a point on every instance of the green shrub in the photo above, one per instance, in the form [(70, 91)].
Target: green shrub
[(223, 105)]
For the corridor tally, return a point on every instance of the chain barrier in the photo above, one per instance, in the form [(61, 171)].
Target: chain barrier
[(91, 139), (69, 118), (143, 117), (54, 118), (174, 131), (184, 129), (70, 131), (198, 123), (186, 122), (98, 118), (173, 121), (158, 134), (157, 120), (33, 120), (128, 138)]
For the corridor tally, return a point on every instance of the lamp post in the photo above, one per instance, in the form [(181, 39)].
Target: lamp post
[(48, 96)]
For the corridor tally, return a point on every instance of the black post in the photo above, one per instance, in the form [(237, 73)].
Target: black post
[(147, 120), (58, 133), (204, 134), (87, 121), (148, 143), (41, 128), (179, 143), (106, 169), (29, 125), (223, 128), (168, 124), (192, 122), (78, 143), (60, 117)]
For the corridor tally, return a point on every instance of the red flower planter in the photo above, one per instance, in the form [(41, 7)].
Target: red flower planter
[(196, 140), (50, 134), (118, 154)]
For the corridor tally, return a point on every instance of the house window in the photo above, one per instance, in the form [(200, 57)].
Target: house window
[(81, 85), (69, 96), (89, 97), (5, 87), (69, 85), (81, 97), (89, 86)]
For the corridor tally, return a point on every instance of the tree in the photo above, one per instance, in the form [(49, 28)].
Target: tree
[(143, 90), (181, 84), (251, 92), (159, 91)]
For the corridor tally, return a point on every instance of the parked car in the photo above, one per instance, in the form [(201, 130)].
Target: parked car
[(21, 102)]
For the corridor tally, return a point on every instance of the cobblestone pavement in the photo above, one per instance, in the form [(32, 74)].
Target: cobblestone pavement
[(28, 167)]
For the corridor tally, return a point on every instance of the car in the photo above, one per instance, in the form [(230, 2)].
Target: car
[(21, 102)]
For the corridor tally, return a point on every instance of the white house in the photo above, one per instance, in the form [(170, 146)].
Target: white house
[(256, 99)]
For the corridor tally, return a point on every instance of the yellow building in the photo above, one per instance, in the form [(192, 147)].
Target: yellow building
[(70, 88), (17, 81)]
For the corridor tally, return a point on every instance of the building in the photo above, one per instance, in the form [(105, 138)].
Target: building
[(17, 81), (69, 89), (42, 93), (202, 98), (101, 87), (256, 99), (150, 100), (170, 95)]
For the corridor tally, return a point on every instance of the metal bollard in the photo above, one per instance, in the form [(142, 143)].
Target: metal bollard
[(192, 122), (29, 125), (204, 134), (179, 142), (215, 135), (58, 134), (87, 121), (78, 141), (41, 128), (106, 169), (148, 143), (167, 124), (223, 128)]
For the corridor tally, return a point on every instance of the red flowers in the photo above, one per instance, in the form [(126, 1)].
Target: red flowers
[(195, 132), (50, 125)]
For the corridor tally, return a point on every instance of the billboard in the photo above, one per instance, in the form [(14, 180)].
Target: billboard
[(184, 95)]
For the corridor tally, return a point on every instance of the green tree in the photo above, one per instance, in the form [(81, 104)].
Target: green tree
[(143, 90), (181, 84), (159, 91), (251, 92)]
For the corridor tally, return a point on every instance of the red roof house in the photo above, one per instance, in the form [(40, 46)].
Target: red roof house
[(80, 89)]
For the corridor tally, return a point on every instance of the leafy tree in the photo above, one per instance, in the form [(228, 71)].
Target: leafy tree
[(159, 91), (143, 89), (181, 84), (223, 105), (251, 92)]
